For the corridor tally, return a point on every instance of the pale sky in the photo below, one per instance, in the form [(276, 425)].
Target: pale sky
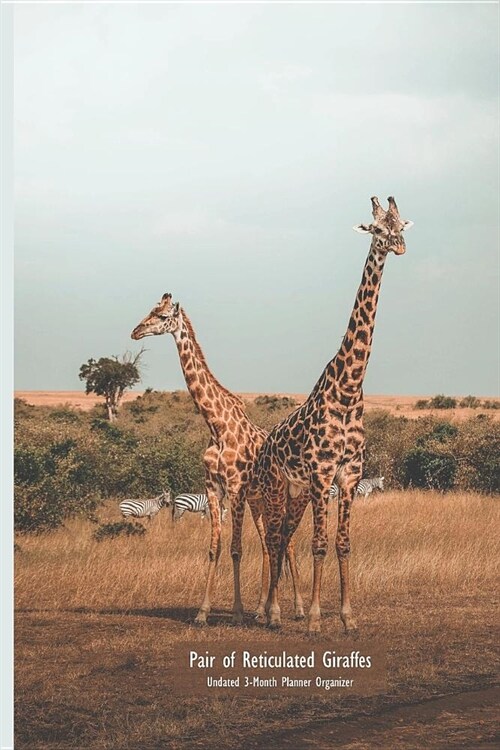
[(223, 153)]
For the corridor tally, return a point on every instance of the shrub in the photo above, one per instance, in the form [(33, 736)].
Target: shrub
[(442, 402), (119, 528), (487, 404), (23, 410), (478, 450), (441, 432), (275, 402), (63, 468), (65, 414), (422, 403), (470, 402), (429, 469)]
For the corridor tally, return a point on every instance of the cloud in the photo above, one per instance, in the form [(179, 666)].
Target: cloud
[(283, 77), (429, 135)]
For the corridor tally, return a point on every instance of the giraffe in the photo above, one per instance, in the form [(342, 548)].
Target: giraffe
[(323, 440), (229, 459)]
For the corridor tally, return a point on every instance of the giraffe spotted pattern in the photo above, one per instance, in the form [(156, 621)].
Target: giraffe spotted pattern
[(323, 440), (229, 459)]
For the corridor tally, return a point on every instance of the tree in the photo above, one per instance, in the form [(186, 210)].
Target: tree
[(111, 377)]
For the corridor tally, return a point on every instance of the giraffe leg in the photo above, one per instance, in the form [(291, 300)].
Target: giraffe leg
[(238, 511), (272, 604), (297, 596), (292, 520), (343, 547), (319, 494), (214, 552), (257, 516), (275, 506)]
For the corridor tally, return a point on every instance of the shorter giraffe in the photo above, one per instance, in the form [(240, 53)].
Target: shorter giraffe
[(229, 459)]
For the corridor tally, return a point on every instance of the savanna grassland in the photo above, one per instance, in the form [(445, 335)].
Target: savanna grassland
[(98, 623)]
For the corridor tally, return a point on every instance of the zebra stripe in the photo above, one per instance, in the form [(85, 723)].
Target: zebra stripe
[(145, 508), (193, 504), (364, 487)]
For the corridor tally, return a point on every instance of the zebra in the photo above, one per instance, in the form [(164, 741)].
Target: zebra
[(193, 504), (364, 488), (145, 508)]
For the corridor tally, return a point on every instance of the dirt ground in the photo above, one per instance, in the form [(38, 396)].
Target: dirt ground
[(108, 690)]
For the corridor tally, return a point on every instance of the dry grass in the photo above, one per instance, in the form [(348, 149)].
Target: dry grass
[(402, 541), (403, 406), (98, 622)]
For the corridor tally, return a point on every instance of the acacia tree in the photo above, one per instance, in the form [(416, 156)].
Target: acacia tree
[(111, 377)]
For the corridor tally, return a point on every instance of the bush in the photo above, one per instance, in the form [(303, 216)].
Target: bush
[(65, 414), (64, 468), (67, 467), (441, 432), (437, 402), (491, 404), (429, 469), (275, 402), (470, 402), (442, 402), (478, 450), (422, 403), (426, 452), (120, 528), (23, 410)]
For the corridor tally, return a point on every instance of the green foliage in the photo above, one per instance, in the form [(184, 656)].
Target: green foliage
[(67, 468), (447, 402), (478, 449), (470, 402), (487, 404), (442, 402), (65, 414), (273, 403), (430, 469), (22, 410), (432, 453), (144, 406), (50, 486), (267, 411), (441, 432), (111, 377), (64, 467), (120, 528), (422, 403)]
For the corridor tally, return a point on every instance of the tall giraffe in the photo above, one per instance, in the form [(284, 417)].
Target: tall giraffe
[(323, 440), (229, 459)]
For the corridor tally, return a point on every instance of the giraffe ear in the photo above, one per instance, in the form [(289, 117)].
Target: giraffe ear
[(176, 308), (362, 228), (407, 225)]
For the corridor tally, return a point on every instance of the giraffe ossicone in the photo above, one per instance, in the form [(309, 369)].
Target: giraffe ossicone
[(322, 441), (229, 459)]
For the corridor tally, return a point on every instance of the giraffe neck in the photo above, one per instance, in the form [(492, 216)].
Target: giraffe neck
[(348, 367), (208, 394)]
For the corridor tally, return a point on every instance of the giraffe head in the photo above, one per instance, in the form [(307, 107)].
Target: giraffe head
[(387, 227), (165, 317)]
